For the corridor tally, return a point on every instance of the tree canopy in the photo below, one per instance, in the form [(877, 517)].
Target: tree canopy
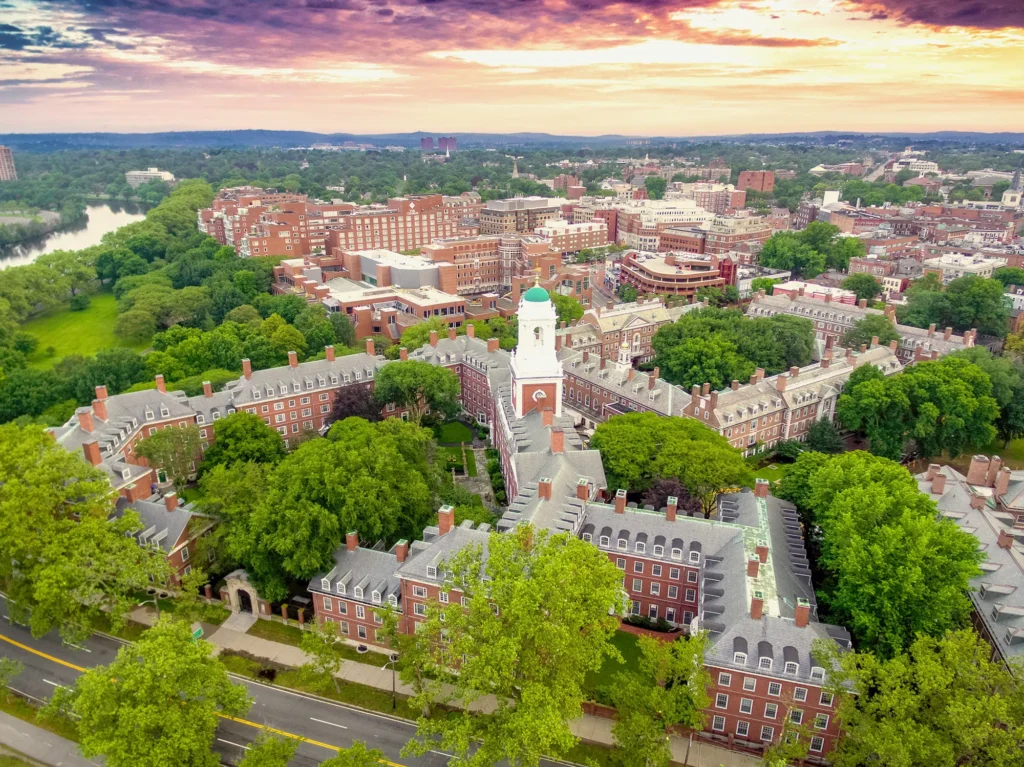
[(966, 303), (867, 328), (242, 437), (176, 451), (418, 387), (863, 284)]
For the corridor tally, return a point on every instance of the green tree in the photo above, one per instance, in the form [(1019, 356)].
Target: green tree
[(869, 327), (977, 302), (539, 615), (943, 703), (356, 755), (323, 646), (243, 437), (135, 325), (668, 688), (418, 387), (1009, 275), (70, 268), (697, 361), (789, 251), (269, 750), (156, 704), (176, 451), (344, 330), (824, 437), (842, 250), (655, 186), (419, 334), (226, 495), (705, 469), (567, 307), (863, 284), (767, 284), (627, 293), (1007, 377)]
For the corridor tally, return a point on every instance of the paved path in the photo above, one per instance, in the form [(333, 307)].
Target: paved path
[(41, 745)]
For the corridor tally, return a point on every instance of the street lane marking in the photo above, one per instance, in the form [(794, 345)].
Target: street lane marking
[(330, 723), (232, 743), (246, 722), (53, 683)]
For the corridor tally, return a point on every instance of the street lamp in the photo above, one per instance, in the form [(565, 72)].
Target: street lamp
[(393, 660), (156, 604)]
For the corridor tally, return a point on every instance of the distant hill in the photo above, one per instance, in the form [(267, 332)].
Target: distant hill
[(51, 142)]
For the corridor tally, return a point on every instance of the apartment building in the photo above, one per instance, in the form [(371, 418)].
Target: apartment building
[(675, 274), (726, 233), (136, 178), (756, 181), (950, 266), (794, 288), (566, 238), (7, 170), (519, 214), (716, 198), (406, 223)]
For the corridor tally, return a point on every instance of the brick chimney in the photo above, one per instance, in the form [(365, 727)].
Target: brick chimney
[(92, 452), (101, 392), (582, 489), (99, 409), (933, 469), (547, 416), (802, 613), (762, 551), (544, 488), (247, 369), (977, 472), (403, 354), (160, 385), (1002, 482), (752, 567), (874, 341), (451, 334), (753, 378), (371, 349), (402, 550), (863, 348), (85, 422), (947, 334), (171, 501), (735, 384), (863, 303), (207, 389), (329, 353), (557, 441), (780, 382), (759, 373), (586, 356), (620, 501), (471, 330), (761, 488), (894, 345), (445, 519), (652, 378), (994, 465), (492, 344), (705, 389), (672, 508), (757, 606), (828, 298), (293, 360), (931, 330), (826, 361), (694, 391), (977, 502), (1005, 539), (351, 540), (433, 338)]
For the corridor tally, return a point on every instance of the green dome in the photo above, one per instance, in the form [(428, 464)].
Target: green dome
[(536, 293)]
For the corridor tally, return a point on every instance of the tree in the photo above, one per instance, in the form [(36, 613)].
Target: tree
[(867, 328), (842, 250), (945, 702), (226, 495), (863, 284), (418, 387), (70, 268), (156, 704), (355, 402), (539, 615), (321, 643), (824, 437), (661, 490), (977, 302), (787, 250), (668, 688), (655, 186), (242, 437), (344, 330), (567, 307), (1007, 377), (419, 334), (357, 755), (697, 361), (767, 284), (627, 293), (176, 451), (705, 469), (269, 751), (1009, 275), (135, 325)]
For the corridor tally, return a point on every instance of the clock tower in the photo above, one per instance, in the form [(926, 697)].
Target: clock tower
[(536, 372)]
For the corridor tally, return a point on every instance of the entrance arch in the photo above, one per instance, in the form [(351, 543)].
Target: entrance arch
[(244, 601)]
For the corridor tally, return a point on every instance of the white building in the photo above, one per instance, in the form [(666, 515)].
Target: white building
[(950, 266), (136, 178)]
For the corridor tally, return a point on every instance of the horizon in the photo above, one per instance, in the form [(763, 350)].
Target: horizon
[(648, 68)]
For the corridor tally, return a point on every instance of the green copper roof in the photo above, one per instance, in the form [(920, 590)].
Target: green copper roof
[(536, 293)]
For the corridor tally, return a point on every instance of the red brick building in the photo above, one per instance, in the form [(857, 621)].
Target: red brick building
[(756, 181), (675, 274)]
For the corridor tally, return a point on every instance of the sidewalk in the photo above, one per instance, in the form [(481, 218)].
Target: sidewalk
[(41, 745)]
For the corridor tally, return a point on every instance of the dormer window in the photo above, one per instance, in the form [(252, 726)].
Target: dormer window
[(431, 572), (677, 555), (622, 544), (358, 592), (334, 379), (393, 600), (200, 418), (375, 596), (369, 374), (765, 663), (126, 473), (325, 584), (817, 674), (694, 557), (309, 385), (341, 588), (604, 542), (659, 551), (740, 658), (791, 668), (216, 415), (296, 387), (256, 394), (164, 412), (231, 411), (641, 548)]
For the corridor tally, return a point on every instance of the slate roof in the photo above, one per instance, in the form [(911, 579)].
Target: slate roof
[(371, 569), (436, 549), (160, 527), (668, 399)]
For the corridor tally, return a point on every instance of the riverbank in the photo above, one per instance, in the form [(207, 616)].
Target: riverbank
[(86, 231)]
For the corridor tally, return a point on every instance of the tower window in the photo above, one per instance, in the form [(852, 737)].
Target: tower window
[(538, 337)]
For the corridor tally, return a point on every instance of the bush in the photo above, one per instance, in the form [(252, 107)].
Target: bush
[(80, 302), (643, 622)]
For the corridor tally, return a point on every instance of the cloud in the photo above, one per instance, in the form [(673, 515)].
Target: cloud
[(13, 38), (991, 14)]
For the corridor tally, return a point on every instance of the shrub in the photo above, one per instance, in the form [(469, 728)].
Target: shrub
[(80, 302)]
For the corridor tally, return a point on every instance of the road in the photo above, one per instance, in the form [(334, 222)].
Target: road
[(321, 727)]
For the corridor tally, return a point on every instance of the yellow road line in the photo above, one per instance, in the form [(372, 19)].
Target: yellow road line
[(282, 733)]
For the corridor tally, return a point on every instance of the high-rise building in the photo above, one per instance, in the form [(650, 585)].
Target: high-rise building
[(427, 144), (7, 170), (756, 181), (519, 214), (446, 144)]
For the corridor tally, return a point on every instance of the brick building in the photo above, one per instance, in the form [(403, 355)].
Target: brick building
[(756, 181), (566, 238), (563, 181), (7, 170), (520, 214), (675, 274)]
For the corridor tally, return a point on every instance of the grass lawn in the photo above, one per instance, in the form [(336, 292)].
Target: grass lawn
[(470, 463), (291, 634), (626, 644), (14, 761), (26, 712), (453, 431), (453, 457), (772, 472), (71, 332)]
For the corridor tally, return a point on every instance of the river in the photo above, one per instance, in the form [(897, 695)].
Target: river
[(103, 217)]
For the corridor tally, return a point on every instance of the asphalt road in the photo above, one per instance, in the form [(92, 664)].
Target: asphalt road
[(321, 727)]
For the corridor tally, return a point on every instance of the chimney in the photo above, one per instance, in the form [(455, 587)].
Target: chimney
[(351, 540), (931, 329), (451, 334), (403, 354), (978, 502), (794, 371), (160, 385), (402, 550), (652, 378), (938, 484), (705, 389), (863, 303), (780, 382), (582, 489), (620, 501), (99, 409), (893, 345), (101, 392), (445, 519), (85, 420), (735, 384), (471, 330), (672, 508), (547, 416), (92, 452), (977, 472), (760, 374), (850, 358), (492, 344), (874, 341), (829, 341), (828, 298), (1002, 482), (863, 348), (557, 441), (802, 613), (631, 374), (544, 488), (433, 338), (293, 360), (762, 551), (761, 487), (947, 334), (171, 501), (757, 605), (994, 465), (933, 469), (1005, 539), (752, 565), (329, 353), (753, 378), (713, 402), (694, 391), (247, 369), (826, 361), (586, 356)]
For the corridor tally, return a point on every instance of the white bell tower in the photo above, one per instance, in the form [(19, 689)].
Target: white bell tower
[(536, 372)]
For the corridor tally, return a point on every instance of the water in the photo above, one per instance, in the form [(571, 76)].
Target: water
[(102, 218)]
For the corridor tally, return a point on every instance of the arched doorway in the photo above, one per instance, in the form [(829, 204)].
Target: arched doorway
[(244, 601)]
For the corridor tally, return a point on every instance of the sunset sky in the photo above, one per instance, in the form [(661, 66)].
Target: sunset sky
[(644, 67)]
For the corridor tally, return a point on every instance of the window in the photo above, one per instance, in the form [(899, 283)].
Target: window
[(821, 721), (771, 710), (638, 567), (358, 592), (721, 700), (588, 537), (344, 627), (419, 608), (746, 705), (360, 611), (691, 576), (361, 631), (765, 663), (817, 674), (673, 592), (326, 584), (694, 557), (622, 544), (419, 591), (718, 724), (677, 554), (691, 595), (774, 689), (641, 548), (342, 607), (638, 585), (740, 658), (634, 608), (340, 587), (791, 668), (817, 743), (767, 733), (742, 728), (659, 551), (656, 571), (655, 589), (620, 563), (800, 694), (375, 597), (184, 555), (826, 699), (673, 573), (431, 572), (750, 682), (603, 542), (724, 680), (328, 604), (442, 597), (188, 569), (652, 612), (393, 600)]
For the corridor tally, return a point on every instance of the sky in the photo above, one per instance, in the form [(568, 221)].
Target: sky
[(579, 67)]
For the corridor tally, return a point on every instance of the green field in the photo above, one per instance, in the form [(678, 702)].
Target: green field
[(71, 332), (772, 472), (626, 644), (453, 431)]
